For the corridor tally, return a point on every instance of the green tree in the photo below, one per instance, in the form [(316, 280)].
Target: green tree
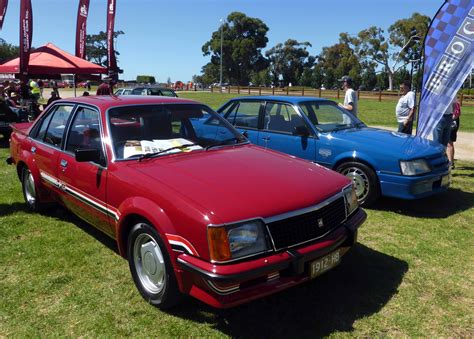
[(96, 48), (394, 51), (243, 38), (146, 79), (338, 60), (8, 51), (289, 60)]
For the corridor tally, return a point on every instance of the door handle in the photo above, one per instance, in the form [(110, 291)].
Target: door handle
[(266, 138), (33, 149), (63, 163)]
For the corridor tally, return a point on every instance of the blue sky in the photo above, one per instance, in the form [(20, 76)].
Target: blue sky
[(164, 38)]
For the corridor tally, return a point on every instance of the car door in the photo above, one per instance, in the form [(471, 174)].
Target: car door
[(286, 131), (244, 115), (46, 141), (85, 182)]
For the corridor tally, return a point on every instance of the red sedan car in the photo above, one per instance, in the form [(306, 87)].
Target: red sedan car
[(193, 206)]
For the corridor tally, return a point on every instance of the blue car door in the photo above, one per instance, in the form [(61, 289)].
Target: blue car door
[(244, 116), (286, 131)]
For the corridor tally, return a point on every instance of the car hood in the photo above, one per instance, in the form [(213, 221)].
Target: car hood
[(401, 146), (241, 182)]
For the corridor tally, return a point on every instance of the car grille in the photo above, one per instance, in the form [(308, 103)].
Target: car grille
[(438, 163), (305, 227)]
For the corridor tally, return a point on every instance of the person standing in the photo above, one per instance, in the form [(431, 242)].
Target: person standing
[(454, 132), (104, 88), (406, 107), (442, 130), (350, 97)]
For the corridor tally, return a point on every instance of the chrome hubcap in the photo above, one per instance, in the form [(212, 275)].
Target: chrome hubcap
[(30, 193), (149, 263), (360, 180)]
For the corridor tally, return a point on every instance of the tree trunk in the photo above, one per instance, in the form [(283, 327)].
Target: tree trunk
[(390, 81)]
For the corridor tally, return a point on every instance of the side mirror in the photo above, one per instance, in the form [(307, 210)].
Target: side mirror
[(301, 131), (88, 154)]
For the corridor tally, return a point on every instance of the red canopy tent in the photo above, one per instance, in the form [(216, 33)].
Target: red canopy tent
[(50, 59)]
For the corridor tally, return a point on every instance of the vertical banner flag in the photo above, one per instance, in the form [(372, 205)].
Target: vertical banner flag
[(3, 11), (26, 33), (448, 60), (82, 13), (112, 62)]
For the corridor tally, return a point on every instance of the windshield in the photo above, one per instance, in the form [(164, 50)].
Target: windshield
[(326, 116), (165, 129)]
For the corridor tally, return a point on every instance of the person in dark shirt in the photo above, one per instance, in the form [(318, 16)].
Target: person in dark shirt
[(53, 98)]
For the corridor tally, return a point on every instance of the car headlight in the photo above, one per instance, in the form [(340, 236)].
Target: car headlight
[(414, 167), (351, 199), (236, 240)]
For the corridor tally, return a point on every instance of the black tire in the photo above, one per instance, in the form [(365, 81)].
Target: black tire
[(365, 180), (151, 267), (30, 192)]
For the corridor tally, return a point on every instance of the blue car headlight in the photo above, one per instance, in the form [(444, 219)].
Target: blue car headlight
[(414, 167)]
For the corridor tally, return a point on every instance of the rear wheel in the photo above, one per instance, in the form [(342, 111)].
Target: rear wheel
[(30, 192), (365, 181), (151, 267)]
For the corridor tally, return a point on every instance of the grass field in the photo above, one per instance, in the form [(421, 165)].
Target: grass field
[(372, 112), (411, 275)]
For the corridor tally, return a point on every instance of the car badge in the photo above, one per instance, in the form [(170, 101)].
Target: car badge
[(320, 223)]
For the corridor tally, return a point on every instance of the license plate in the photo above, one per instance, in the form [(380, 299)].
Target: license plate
[(324, 264), (446, 180)]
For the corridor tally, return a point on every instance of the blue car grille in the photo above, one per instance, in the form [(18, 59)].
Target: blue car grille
[(309, 226), (439, 163)]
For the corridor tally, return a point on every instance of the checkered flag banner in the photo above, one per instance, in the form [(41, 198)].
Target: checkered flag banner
[(448, 60)]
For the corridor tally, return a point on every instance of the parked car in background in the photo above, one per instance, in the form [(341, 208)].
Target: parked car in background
[(379, 162), (167, 92), (195, 208), (123, 91)]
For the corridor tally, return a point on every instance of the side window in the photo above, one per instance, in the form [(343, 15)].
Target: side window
[(55, 131), (44, 126), (85, 130), (245, 114), (281, 118)]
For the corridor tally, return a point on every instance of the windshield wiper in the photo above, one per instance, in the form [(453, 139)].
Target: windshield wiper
[(342, 126), (151, 155), (222, 143)]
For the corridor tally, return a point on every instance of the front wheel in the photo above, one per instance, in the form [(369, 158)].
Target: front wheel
[(364, 179), (151, 267)]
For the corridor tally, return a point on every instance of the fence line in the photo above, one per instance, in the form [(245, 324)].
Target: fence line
[(464, 99)]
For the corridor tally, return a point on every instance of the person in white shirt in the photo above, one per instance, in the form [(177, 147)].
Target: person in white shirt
[(406, 107), (350, 98)]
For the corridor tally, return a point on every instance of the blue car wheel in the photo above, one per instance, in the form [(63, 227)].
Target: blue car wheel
[(364, 179)]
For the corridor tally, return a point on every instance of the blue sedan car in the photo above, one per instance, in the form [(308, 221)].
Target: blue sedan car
[(379, 162)]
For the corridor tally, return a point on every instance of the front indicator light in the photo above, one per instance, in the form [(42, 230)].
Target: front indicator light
[(219, 248)]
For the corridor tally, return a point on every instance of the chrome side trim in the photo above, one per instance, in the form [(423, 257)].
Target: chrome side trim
[(221, 290)]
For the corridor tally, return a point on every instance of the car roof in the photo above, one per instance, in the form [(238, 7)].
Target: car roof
[(106, 101), (288, 99)]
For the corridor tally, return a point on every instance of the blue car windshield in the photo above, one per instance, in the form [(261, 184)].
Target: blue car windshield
[(326, 116)]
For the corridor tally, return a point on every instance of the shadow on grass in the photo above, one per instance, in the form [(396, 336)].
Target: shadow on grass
[(364, 282), (441, 205), (4, 142), (7, 209)]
